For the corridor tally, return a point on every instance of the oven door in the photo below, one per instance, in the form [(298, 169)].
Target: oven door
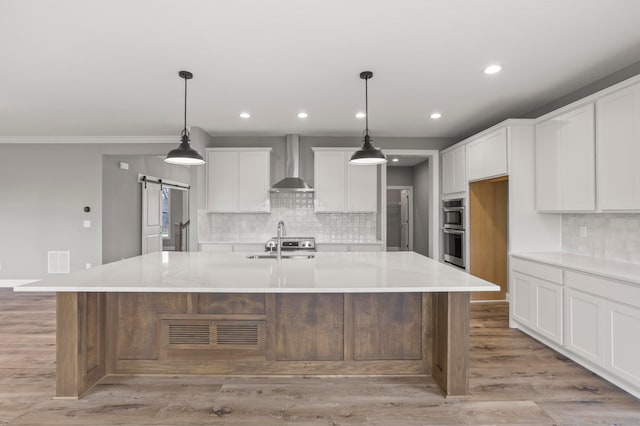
[(453, 218), (454, 247)]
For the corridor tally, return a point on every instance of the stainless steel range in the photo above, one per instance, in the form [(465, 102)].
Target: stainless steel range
[(291, 244)]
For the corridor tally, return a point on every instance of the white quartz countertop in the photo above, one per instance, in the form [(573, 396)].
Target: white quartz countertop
[(206, 272), (624, 271)]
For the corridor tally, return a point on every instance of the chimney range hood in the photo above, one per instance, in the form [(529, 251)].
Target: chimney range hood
[(292, 181)]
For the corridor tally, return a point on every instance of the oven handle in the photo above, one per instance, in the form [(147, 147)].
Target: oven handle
[(452, 231)]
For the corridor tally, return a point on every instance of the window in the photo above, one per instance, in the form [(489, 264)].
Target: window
[(165, 212)]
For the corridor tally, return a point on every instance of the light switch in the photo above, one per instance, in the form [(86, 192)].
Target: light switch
[(124, 166), (583, 231), (86, 223)]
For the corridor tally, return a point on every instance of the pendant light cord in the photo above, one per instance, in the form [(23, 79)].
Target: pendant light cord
[(366, 105), (185, 132)]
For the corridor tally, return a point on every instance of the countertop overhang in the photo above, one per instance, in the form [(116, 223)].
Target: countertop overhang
[(206, 272)]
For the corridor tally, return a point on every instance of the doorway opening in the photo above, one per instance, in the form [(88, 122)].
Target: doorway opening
[(399, 218), (165, 215), (418, 170)]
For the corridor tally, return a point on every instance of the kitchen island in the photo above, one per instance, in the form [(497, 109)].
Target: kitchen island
[(228, 314)]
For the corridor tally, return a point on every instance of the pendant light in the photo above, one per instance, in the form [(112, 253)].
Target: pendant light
[(184, 154), (368, 154)]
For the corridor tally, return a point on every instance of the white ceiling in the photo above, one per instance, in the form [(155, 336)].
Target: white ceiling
[(101, 68)]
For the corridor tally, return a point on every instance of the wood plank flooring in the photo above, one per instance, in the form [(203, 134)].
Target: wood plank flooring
[(514, 381)]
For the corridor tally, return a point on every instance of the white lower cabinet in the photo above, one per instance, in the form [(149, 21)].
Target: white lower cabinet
[(591, 319), (535, 302), (623, 355), (585, 325)]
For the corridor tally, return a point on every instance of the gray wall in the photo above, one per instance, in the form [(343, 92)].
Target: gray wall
[(121, 201), (421, 217), (590, 89), (44, 190), (399, 176), (306, 142)]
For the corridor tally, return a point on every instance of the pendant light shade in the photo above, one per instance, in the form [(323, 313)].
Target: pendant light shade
[(184, 154), (368, 154)]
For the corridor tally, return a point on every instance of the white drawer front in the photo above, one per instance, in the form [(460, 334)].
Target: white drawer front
[(539, 270), (628, 294)]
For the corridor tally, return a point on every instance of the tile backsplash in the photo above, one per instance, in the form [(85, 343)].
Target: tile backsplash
[(608, 235), (296, 209)]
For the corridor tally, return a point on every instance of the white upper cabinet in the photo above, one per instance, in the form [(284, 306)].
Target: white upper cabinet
[(487, 156), (618, 148), (453, 171), (238, 180), (565, 161), (343, 187)]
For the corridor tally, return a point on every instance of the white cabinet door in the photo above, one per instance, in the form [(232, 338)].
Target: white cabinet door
[(459, 170), (343, 187), (623, 354), (448, 172), (238, 180), (548, 165), (330, 180), (362, 185), (222, 182), (618, 147), (549, 310), (565, 161), (487, 156), (522, 301), (454, 171), (495, 157), (475, 160), (585, 328), (253, 181), (579, 191)]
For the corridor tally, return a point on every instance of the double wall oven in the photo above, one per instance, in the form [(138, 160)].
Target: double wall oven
[(453, 230)]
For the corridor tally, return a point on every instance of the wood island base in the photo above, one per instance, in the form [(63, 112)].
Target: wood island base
[(100, 334)]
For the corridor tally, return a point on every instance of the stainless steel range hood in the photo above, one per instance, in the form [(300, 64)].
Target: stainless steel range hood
[(292, 181)]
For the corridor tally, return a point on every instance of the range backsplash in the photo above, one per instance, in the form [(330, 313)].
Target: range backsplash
[(609, 235), (296, 209)]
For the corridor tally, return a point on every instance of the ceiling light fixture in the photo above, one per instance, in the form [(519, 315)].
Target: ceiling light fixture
[(395, 160), (492, 69), (368, 154), (302, 115), (435, 116), (360, 115), (245, 115), (184, 154)]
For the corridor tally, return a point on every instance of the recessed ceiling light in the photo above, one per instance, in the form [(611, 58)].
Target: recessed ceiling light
[(360, 115), (492, 69), (436, 115), (245, 115), (395, 160), (302, 115)]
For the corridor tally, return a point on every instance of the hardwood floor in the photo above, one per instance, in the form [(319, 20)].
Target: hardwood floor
[(514, 380)]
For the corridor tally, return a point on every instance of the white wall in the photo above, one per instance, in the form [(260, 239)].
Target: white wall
[(421, 207), (121, 197), (44, 189)]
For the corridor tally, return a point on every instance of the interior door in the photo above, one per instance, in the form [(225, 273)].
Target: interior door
[(404, 220), (151, 218)]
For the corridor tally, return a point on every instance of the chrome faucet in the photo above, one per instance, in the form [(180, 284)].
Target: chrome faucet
[(280, 232)]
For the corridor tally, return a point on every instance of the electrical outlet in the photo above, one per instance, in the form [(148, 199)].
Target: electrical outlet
[(88, 265), (86, 223), (583, 232)]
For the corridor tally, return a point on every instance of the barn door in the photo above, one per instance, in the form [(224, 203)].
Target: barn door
[(151, 217)]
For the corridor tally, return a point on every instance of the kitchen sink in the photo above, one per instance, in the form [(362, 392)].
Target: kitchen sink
[(284, 256)]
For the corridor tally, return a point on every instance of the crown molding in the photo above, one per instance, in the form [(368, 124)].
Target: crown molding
[(89, 139)]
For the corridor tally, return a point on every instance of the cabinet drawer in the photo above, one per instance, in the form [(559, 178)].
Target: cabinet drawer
[(628, 294), (539, 270)]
